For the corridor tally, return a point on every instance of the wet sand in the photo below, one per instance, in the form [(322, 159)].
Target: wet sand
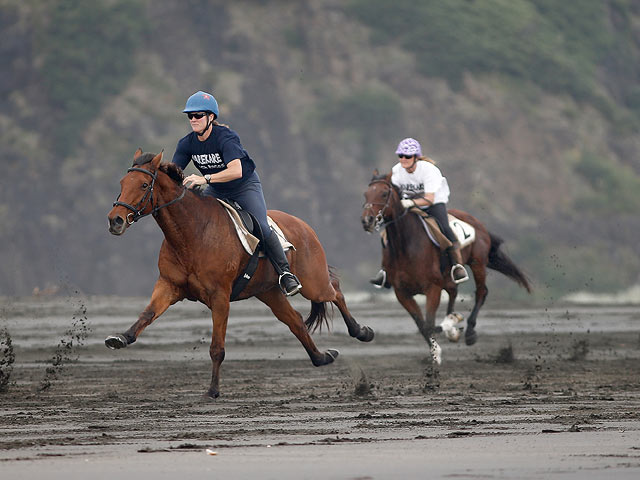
[(545, 393)]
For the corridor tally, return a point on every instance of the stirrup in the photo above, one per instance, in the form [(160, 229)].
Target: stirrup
[(295, 289), (380, 279), (459, 280)]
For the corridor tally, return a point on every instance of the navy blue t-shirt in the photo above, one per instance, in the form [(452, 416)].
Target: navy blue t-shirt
[(213, 155)]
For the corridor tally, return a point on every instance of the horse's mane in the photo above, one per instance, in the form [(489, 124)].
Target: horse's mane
[(173, 170), (175, 173)]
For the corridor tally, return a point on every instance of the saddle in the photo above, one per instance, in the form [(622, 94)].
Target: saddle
[(248, 229), (466, 233), (433, 229), (250, 235)]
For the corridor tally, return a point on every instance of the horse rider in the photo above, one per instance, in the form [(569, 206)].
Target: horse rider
[(228, 172), (422, 185)]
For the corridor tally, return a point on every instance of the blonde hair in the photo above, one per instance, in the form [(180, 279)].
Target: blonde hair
[(215, 122)]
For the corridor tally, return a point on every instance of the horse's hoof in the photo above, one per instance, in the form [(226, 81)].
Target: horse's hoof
[(211, 395), (330, 355), (470, 337), (327, 357), (366, 334), (116, 341)]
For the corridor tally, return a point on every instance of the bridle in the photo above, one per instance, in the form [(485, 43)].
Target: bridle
[(379, 220), (147, 199)]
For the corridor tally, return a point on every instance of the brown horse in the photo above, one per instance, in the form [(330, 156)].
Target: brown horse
[(414, 264), (201, 256)]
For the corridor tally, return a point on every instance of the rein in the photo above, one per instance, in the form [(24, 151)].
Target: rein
[(136, 211), (380, 222)]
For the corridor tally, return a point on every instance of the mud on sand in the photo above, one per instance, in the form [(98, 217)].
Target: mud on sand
[(552, 403)]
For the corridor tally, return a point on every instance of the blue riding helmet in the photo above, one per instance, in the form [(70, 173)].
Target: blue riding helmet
[(201, 102)]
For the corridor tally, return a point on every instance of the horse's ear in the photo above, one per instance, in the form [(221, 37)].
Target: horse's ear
[(137, 154), (375, 172), (157, 159)]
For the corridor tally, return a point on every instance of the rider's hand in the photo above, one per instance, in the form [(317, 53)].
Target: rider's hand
[(193, 180), (407, 203)]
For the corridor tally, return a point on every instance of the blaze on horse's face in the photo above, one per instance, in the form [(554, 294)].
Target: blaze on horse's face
[(378, 201), (135, 191)]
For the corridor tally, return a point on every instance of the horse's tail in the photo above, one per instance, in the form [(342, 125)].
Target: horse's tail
[(499, 261), (318, 314)]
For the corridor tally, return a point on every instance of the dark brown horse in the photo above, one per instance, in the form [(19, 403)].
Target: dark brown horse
[(201, 256), (414, 264)]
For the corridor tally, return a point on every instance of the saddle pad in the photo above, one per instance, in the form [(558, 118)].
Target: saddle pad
[(248, 240), (465, 232)]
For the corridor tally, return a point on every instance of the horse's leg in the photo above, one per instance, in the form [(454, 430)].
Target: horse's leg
[(412, 307), (281, 308), (164, 295), (361, 332), (219, 316), (427, 332), (453, 293), (479, 276), (433, 294)]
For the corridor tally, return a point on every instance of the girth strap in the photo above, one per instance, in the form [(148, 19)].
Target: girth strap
[(246, 276)]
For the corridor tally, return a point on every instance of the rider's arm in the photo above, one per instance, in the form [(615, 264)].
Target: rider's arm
[(232, 172), (425, 201)]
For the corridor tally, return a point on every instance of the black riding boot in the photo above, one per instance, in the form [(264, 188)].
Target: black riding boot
[(458, 272), (288, 282)]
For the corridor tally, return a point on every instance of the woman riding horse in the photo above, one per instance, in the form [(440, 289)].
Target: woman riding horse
[(422, 185), (201, 257), (414, 264), (229, 173)]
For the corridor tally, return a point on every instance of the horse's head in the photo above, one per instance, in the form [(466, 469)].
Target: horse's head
[(136, 192), (380, 202)]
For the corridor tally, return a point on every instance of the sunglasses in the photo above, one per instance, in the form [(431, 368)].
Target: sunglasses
[(405, 156), (197, 115)]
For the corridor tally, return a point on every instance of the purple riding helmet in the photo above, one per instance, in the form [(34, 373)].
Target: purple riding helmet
[(409, 146)]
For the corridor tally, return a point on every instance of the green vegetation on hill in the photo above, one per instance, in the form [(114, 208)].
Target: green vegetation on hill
[(614, 187), (559, 46), (87, 51), (360, 117)]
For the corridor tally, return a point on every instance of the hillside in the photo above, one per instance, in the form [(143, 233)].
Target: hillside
[(531, 109)]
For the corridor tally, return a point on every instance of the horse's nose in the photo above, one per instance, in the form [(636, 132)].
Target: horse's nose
[(116, 225), (367, 220)]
